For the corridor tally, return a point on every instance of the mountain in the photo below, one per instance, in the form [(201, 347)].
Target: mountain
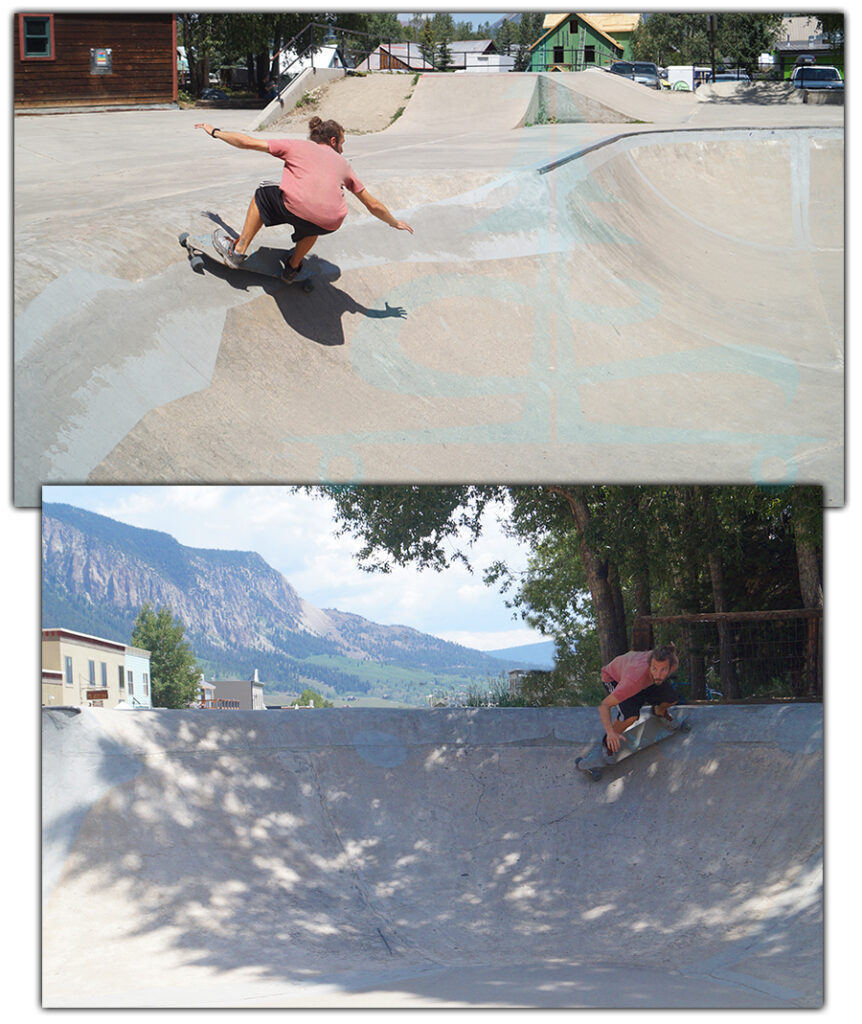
[(239, 613)]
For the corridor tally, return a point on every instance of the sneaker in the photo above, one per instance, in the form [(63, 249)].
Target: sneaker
[(225, 246), (290, 273)]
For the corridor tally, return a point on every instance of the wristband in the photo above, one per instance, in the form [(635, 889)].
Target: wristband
[(214, 131)]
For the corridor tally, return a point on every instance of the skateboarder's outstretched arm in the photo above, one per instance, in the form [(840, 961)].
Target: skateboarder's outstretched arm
[(235, 138), (380, 210)]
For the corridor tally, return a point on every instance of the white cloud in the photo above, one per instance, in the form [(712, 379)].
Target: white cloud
[(496, 640)]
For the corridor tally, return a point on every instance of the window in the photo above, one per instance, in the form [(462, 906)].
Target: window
[(36, 36), (146, 685), (122, 675), (589, 55), (104, 676), (92, 672), (558, 55), (68, 670), (131, 681)]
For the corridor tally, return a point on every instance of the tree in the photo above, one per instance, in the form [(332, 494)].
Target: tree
[(443, 28), (683, 38), (741, 38), (254, 37), (505, 37), (312, 697), (529, 30), (603, 554), (174, 672), (201, 37), (427, 45)]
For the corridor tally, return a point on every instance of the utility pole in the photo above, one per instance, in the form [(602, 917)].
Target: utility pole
[(712, 27)]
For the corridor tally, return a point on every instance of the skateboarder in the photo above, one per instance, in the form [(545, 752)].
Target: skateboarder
[(309, 195), (636, 679)]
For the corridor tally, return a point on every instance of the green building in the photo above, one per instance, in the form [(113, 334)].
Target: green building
[(620, 27), (575, 42)]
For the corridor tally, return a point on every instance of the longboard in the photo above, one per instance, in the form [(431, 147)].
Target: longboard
[(646, 732), (265, 261)]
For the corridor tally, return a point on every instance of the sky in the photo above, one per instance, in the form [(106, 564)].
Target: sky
[(295, 533)]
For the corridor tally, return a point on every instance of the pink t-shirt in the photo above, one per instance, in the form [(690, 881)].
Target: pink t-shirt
[(313, 179), (631, 673)]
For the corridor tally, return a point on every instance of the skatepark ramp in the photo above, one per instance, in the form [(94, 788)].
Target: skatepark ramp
[(448, 857), (487, 103), (696, 271), (465, 103), (483, 103), (628, 306)]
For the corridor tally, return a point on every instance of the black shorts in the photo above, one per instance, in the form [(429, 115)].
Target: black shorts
[(272, 210), (657, 693)]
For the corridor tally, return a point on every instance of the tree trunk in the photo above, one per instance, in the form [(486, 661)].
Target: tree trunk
[(643, 606), (694, 655), (727, 669), (811, 588), (611, 629)]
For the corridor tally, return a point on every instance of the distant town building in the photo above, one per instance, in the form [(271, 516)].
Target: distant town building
[(233, 694), (474, 55), (89, 670), (801, 36)]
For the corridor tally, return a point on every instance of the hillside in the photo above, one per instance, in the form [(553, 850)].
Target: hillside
[(240, 614)]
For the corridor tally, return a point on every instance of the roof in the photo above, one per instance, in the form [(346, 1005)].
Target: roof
[(615, 22), (407, 53), (59, 633), (472, 46), (553, 21)]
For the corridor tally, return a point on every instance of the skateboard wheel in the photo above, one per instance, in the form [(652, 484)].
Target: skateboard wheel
[(184, 237), (197, 263), (308, 287), (595, 774)]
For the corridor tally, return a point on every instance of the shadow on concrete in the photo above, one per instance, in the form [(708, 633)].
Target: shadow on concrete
[(315, 315), (481, 872)]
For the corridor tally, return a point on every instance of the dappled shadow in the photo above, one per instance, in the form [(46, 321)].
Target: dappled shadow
[(248, 848), (748, 95)]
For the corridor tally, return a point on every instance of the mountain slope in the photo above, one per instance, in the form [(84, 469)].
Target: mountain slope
[(239, 612)]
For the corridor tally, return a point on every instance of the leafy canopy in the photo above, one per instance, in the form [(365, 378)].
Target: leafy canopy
[(174, 671)]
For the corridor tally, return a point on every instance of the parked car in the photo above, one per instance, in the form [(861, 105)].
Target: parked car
[(623, 67), (647, 74), (639, 71), (816, 76)]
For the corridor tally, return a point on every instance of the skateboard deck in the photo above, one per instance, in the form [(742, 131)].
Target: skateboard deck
[(265, 261), (646, 732)]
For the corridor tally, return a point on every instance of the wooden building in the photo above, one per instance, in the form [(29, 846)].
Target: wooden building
[(571, 42), (99, 59), (620, 27), (395, 57)]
